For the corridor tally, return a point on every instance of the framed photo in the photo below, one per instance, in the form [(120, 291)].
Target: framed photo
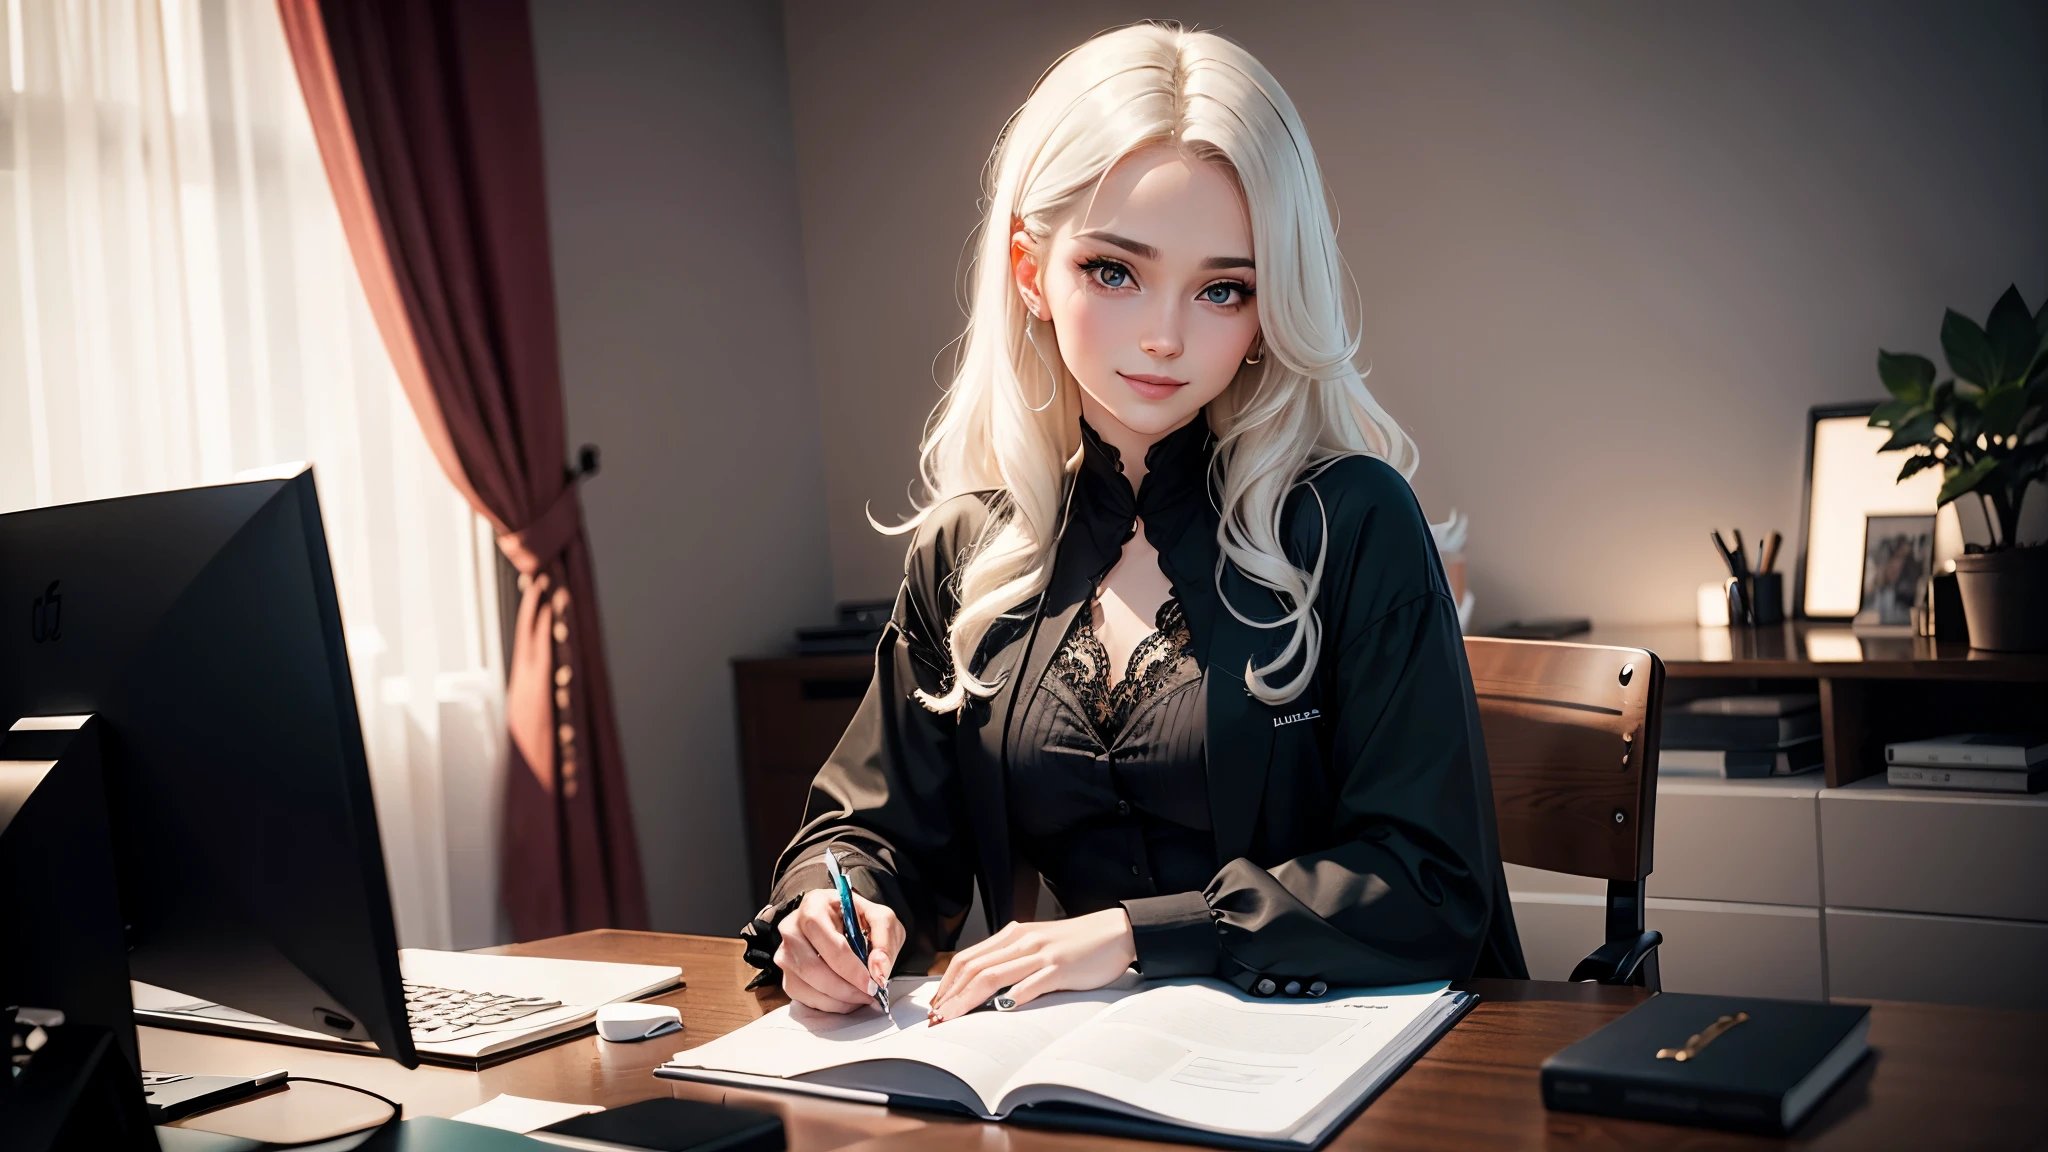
[(1898, 558), (1847, 482)]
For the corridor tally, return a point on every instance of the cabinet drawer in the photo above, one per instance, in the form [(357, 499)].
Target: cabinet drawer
[(1557, 931), (1957, 853), (1728, 949), (1751, 841), (1709, 946), (1943, 959)]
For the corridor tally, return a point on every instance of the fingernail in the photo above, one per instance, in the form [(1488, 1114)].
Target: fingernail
[(871, 986)]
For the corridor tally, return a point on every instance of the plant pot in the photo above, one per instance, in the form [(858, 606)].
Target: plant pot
[(2005, 598)]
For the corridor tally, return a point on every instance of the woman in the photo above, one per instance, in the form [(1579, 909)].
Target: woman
[(1172, 633)]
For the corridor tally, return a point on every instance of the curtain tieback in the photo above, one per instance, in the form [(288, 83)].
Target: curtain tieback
[(534, 547)]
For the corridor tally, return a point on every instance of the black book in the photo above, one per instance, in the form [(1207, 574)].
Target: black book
[(1750, 1064), (1684, 728), (667, 1124)]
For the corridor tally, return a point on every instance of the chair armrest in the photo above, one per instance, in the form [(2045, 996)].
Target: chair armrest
[(1617, 961)]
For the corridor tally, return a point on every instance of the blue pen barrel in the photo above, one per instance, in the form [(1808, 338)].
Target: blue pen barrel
[(853, 934)]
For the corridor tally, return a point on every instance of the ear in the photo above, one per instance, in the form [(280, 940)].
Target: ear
[(1025, 270)]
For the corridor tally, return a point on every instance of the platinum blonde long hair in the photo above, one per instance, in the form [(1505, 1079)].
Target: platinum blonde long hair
[(1304, 405)]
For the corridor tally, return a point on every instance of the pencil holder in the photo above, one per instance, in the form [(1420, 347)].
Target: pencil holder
[(1763, 598)]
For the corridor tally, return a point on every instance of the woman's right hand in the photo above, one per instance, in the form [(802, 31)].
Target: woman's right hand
[(818, 965)]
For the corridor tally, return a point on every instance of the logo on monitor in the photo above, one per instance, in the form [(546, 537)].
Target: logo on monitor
[(46, 618)]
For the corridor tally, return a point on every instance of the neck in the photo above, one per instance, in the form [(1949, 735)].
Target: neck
[(1130, 445)]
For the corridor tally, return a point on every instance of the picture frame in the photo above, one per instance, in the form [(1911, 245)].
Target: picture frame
[(1847, 480), (1898, 561)]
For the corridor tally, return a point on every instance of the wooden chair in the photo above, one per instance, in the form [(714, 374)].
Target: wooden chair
[(1571, 738)]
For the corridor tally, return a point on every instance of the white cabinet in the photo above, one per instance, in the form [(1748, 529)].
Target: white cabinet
[(1950, 853), (1945, 959), (1786, 888)]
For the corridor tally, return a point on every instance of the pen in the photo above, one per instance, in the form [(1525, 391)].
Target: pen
[(854, 938), (1727, 557), (1771, 553), (1000, 1002), (1741, 558)]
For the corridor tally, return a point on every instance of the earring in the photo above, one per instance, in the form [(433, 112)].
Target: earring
[(1261, 356), (1048, 371)]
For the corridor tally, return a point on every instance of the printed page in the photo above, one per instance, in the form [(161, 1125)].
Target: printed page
[(1204, 1054), (982, 1050)]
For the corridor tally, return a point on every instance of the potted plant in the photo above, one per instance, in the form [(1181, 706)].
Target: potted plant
[(1987, 430)]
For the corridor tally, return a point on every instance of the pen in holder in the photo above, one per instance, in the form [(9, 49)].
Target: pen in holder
[(1755, 595), (1763, 597)]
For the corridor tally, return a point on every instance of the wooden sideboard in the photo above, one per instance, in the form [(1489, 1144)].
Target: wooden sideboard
[(1873, 689), (792, 711), (1833, 885)]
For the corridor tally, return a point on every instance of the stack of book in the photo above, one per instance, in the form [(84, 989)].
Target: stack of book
[(1971, 761), (1740, 737), (858, 630)]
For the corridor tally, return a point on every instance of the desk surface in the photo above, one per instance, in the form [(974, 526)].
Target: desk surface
[(1941, 1077), (1798, 649)]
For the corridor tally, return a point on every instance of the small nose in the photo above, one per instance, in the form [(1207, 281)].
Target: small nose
[(1162, 338)]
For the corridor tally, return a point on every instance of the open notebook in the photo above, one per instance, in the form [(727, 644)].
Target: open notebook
[(1190, 1059)]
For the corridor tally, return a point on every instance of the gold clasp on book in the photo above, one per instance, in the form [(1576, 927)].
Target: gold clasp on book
[(1702, 1038)]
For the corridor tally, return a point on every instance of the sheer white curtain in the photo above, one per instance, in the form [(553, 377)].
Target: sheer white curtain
[(178, 307)]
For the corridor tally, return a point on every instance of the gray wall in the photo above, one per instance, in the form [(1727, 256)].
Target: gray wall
[(1609, 253), (686, 358)]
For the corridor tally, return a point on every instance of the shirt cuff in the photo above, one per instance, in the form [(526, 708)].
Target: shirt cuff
[(1174, 935)]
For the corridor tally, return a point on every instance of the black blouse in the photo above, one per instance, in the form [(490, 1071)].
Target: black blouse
[(1344, 836), (1107, 787)]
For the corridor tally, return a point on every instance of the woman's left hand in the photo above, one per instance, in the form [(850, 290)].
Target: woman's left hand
[(1070, 955)]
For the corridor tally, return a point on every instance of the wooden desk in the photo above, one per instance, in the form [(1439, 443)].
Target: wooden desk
[(1941, 1077)]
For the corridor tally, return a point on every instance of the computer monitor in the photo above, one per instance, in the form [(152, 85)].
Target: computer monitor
[(201, 628)]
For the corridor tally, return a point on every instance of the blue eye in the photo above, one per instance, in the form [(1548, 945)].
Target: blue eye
[(1107, 273), (1224, 293)]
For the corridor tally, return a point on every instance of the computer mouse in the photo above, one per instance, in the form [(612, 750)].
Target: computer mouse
[(623, 1023)]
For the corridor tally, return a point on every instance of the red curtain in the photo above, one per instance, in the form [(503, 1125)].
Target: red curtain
[(427, 114)]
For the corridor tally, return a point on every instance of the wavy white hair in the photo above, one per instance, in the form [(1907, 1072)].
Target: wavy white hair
[(1302, 406)]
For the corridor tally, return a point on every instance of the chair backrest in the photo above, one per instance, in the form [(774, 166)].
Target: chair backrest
[(1571, 740)]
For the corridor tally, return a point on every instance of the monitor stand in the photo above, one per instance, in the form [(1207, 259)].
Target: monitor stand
[(63, 950)]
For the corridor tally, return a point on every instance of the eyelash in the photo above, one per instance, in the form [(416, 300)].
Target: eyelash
[(1094, 267)]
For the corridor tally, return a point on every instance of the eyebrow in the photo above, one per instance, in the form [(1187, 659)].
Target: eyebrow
[(1148, 252)]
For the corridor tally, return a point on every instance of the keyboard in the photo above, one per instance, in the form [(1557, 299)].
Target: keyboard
[(440, 1014)]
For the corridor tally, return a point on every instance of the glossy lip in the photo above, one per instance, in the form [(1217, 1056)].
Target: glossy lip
[(1152, 387)]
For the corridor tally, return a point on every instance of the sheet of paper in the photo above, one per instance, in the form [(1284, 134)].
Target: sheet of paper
[(522, 1114), (1201, 1052), (982, 1049)]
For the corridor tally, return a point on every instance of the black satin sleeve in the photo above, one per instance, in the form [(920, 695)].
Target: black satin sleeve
[(888, 800), (1409, 887)]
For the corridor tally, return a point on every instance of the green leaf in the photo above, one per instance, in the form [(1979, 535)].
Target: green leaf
[(1917, 431), (2013, 338), (1917, 464), (1965, 480), (1905, 375), (1968, 350), (2002, 411), (1891, 412)]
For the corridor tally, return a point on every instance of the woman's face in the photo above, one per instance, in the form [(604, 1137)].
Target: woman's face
[(1148, 288)]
